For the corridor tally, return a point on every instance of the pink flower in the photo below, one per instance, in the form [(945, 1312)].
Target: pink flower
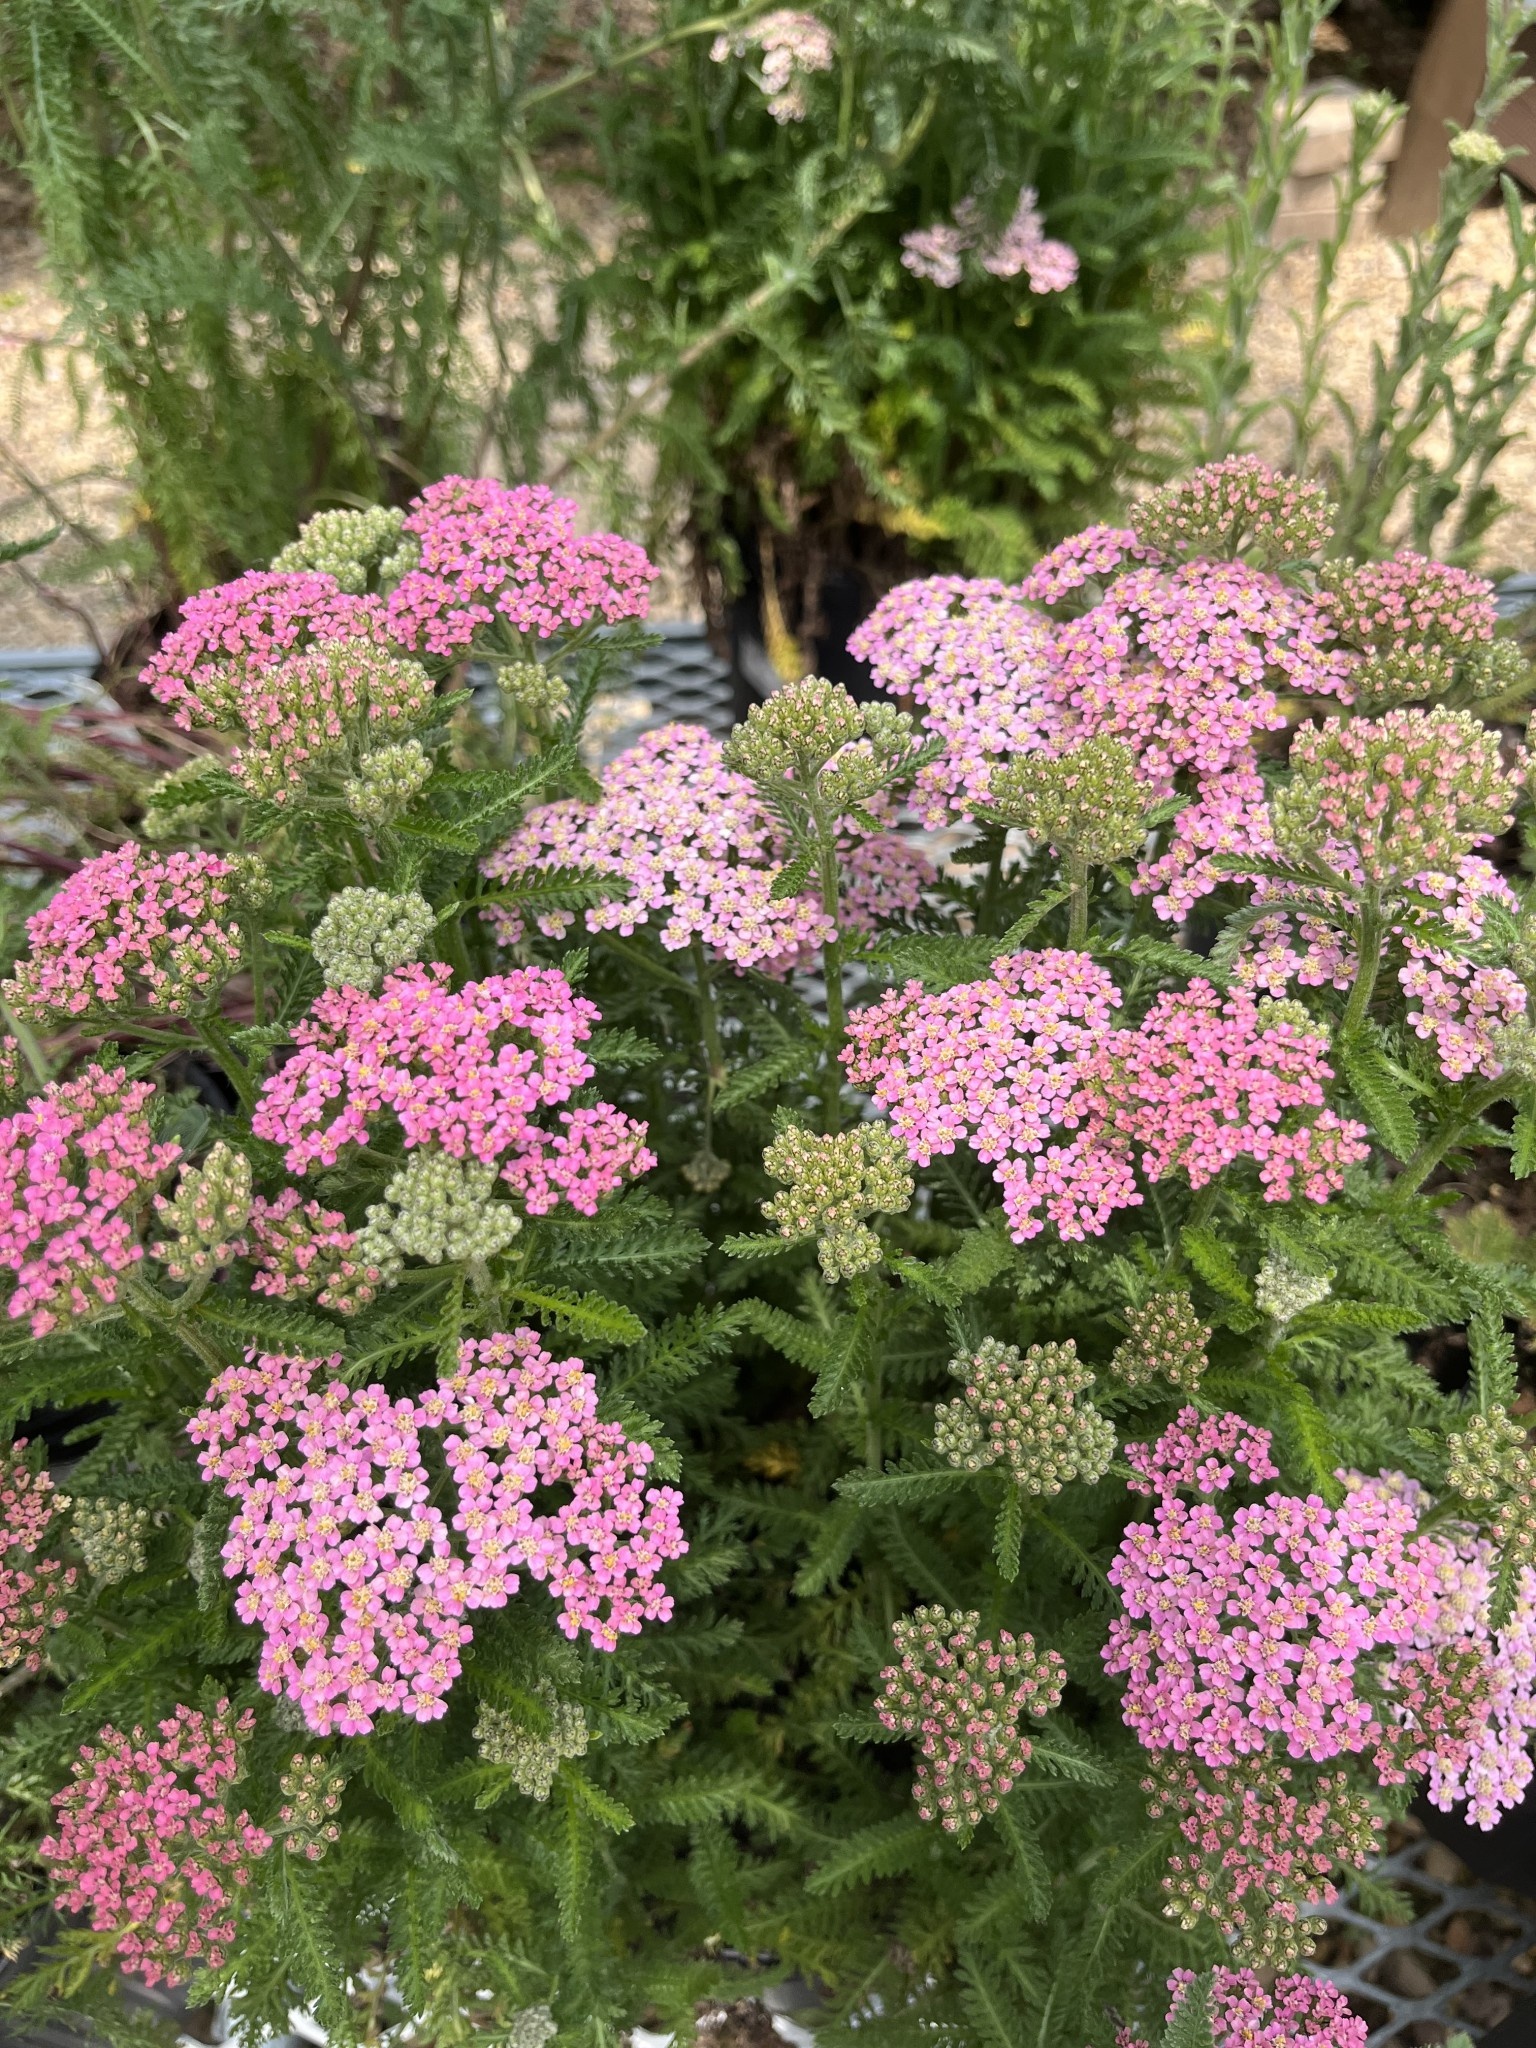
[(793, 44), (469, 1070), (147, 1848), (77, 1166), (304, 1251), (498, 554), (360, 1582), (1201, 1453), (1294, 2012), (131, 929), (249, 625), (1024, 245), (30, 1585)]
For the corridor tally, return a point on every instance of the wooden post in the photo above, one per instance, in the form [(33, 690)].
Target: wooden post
[(1446, 82)]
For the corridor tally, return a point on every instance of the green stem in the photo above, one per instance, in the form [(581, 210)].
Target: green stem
[(1199, 1215), (1368, 953), (709, 1031), (832, 970), (1077, 915), (237, 1073), (1434, 1148)]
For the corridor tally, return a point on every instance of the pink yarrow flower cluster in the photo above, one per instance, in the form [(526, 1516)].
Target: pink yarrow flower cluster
[(131, 929), (77, 1166), (960, 1696), (361, 1583), (793, 44), (1008, 1063), (303, 1251), (1301, 1630), (1201, 1453), (935, 253), (494, 554), (691, 840), (1412, 600), (1295, 2011), (248, 626), (30, 1586), (468, 1070), (146, 1847)]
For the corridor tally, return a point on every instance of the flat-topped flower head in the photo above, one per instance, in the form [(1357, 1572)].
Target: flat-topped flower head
[(354, 547), (1292, 2012), (1409, 599), (1394, 796), (694, 844), (976, 657), (367, 933), (145, 1845), (1165, 1340), (254, 623), (833, 1184), (470, 1071), (111, 1536), (135, 930), (1024, 1410), (1200, 1454), (494, 555), (960, 1696), (78, 1166), (530, 1755), (360, 1572), (31, 1586), (302, 1251), (1236, 507), (204, 1220), (1020, 246), (437, 1209), (793, 44), (1087, 801)]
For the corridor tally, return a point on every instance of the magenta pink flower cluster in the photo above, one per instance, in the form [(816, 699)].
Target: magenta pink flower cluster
[(498, 554), (1251, 1639), (960, 1696), (353, 1572), (247, 626), (935, 252), (1005, 1063), (1294, 2012), (30, 1586), (1200, 1454), (303, 1251), (793, 43), (131, 929), (147, 1848), (77, 1166), (467, 1070)]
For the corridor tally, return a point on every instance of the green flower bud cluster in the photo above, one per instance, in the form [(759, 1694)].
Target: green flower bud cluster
[(387, 783), (204, 1218), (365, 933), (1022, 1411), (436, 1209), (1492, 1463), (1514, 1045), (346, 545), (534, 692), (832, 1184), (1087, 801), (532, 1758), (811, 735), (1388, 677), (1284, 1291), (1476, 147), (177, 801), (311, 1788), (1167, 1341), (706, 1172), (532, 2027), (1235, 506), (110, 1536)]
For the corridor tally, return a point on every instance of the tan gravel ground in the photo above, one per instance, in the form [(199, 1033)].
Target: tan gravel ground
[(57, 437)]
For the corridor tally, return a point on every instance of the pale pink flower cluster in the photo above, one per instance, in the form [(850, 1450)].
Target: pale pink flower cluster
[(1204, 1081), (692, 841), (77, 1166), (30, 1586), (1201, 1453), (1002, 1064), (960, 1696), (978, 660), (1083, 558), (131, 929), (1250, 1638), (303, 1251), (1005, 1063), (935, 252), (1239, 502), (883, 880), (252, 624), (147, 1847), (1497, 1775), (499, 554), (1294, 2012), (467, 1070), (793, 44), (361, 1583)]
